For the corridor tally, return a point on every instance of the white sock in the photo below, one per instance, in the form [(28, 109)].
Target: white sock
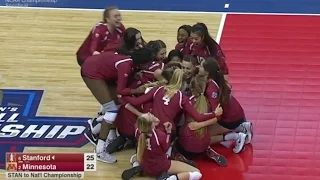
[(112, 134), (231, 136), (135, 164), (169, 151), (172, 177), (194, 175), (240, 128), (100, 146), (96, 129)]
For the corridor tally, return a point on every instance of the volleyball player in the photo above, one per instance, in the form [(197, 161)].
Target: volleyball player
[(232, 125), (167, 103), (105, 36), (202, 45), (152, 147), (174, 55), (159, 48), (192, 143), (97, 74), (188, 65), (183, 35), (132, 40)]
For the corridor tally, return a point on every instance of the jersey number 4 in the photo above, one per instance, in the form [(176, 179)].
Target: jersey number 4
[(166, 100)]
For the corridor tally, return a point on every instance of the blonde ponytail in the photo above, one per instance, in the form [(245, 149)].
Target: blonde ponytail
[(144, 126), (175, 83), (197, 86), (141, 146), (201, 106)]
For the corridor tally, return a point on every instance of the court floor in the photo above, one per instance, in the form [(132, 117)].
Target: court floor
[(37, 51), (274, 61)]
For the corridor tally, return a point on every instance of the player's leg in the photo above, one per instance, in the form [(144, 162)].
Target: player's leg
[(131, 172), (247, 128), (224, 132), (181, 171), (179, 154), (113, 92), (101, 92)]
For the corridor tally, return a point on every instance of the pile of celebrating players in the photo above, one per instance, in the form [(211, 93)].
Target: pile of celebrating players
[(171, 109)]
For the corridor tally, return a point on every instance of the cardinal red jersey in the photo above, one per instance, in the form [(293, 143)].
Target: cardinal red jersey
[(95, 41), (126, 121), (147, 75), (232, 110), (114, 39), (165, 108), (154, 159), (188, 138), (181, 47), (109, 66), (203, 52)]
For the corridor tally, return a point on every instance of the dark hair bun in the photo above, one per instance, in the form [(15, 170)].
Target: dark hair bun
[(141, 56)]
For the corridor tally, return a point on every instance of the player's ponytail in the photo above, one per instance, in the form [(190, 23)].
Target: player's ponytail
[(144, 126), (197, 87), (141, 146), (175, 83), (211, 66)]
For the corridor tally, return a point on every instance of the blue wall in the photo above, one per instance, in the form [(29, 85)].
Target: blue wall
[(258, 6)]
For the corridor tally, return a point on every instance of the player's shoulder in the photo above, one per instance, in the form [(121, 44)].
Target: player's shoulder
[(156, 65), (100, 25), (212, 85)]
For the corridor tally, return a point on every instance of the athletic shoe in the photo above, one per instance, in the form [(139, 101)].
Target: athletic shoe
[(116, 145), (129, 173), (106, 158), (91, 137), (240, 143), (248, 130), (220, 159), (179, 157)]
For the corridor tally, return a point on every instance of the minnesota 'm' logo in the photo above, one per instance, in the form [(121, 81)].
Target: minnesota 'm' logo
[(20, 127), (11, 166)]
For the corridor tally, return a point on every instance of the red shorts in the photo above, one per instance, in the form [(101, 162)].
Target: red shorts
[(125, 122)]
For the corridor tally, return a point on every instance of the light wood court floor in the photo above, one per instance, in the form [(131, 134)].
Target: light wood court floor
[(37, 51)]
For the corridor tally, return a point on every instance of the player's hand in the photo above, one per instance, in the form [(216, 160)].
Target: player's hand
[(95, 53), (139, 90), (167, 126), (218, 111), (194, 126)]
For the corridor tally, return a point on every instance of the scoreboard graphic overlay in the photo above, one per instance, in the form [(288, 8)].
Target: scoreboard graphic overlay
[(49, 165)]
